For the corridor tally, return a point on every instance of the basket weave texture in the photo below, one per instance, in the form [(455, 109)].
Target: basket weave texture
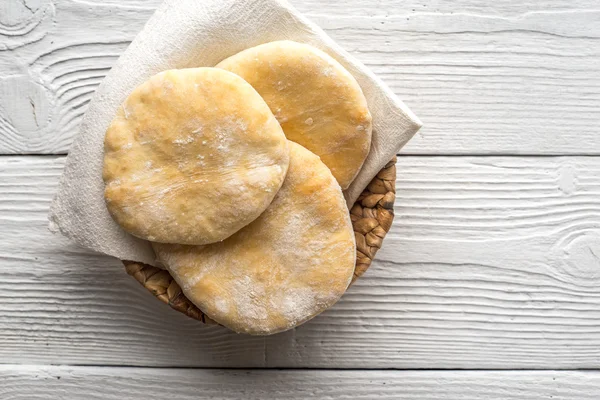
[(371, 215)]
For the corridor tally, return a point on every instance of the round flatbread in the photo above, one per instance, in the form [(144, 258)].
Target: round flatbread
[(192, 156), (317, 102), (286, 267)]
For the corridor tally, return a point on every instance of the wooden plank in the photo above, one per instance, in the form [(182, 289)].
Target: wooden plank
[(62, 304), (485, 79), (492, 262), (19, 382)]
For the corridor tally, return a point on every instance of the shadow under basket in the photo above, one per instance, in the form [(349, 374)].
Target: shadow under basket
[(371, 215)]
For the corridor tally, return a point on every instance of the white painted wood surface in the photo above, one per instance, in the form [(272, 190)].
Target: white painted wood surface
[(492, 262), (498, 77), (70, 383)]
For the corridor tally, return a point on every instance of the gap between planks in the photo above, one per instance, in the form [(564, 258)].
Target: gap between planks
[(316, 368), (454, 155)]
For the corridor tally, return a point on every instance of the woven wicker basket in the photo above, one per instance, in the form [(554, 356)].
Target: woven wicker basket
[(371, 215)]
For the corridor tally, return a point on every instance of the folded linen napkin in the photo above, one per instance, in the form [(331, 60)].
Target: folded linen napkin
[(193, 33)]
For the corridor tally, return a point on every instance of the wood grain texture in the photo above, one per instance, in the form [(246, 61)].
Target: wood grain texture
[(70, 383), (492, 262), (485, 78)]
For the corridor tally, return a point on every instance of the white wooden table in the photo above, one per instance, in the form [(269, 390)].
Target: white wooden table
[(487, 287)]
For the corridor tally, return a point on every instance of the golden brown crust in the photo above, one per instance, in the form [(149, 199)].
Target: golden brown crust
[(290, 264), (317, 102), (370, 205), (185, 141)]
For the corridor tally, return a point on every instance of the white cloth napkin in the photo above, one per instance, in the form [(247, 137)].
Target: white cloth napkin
[(196, 33)]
